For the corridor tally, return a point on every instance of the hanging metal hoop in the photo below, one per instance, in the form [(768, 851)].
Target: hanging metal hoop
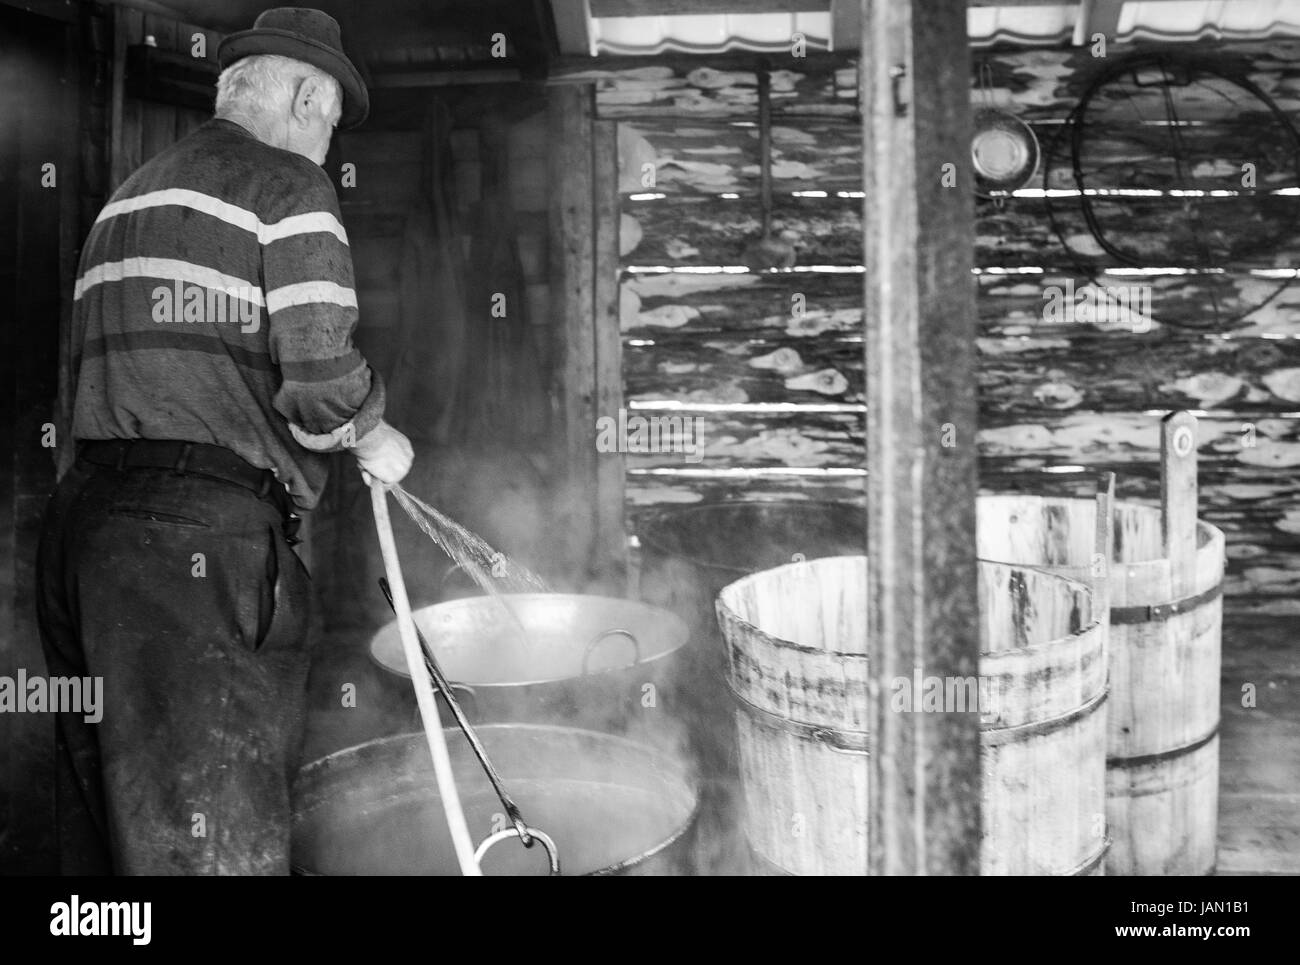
[(552, 853)]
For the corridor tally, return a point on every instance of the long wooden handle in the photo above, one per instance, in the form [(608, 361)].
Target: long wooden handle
[(423, 689)]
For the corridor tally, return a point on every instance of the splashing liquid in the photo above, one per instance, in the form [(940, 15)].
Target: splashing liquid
[(494, 572)]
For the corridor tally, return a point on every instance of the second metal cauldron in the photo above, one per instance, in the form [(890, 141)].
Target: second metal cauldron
[(613, 806), (580, 660)]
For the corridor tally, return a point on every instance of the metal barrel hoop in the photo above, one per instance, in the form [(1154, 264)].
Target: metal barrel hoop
[(831, 741), (605, 635), (527, 835), (840, 741)]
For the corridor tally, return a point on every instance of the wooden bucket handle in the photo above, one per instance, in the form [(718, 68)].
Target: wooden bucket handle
[(1103, 547), (1178, 499)]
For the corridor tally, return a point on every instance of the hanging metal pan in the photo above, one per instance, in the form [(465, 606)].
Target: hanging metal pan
[(1004, 152)]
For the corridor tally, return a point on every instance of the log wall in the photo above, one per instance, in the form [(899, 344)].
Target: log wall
[(771, 362)]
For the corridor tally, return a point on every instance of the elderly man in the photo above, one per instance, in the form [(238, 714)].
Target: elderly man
[(212, 345)]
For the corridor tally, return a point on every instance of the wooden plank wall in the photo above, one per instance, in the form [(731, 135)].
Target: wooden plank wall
[(771, 360), (141, 128)]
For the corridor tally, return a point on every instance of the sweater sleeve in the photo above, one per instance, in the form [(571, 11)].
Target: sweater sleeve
[(311, 307)]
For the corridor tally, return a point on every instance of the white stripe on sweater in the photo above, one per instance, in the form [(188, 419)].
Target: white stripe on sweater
[(309, 293), (298, 224), (302, 224), (168, 269)]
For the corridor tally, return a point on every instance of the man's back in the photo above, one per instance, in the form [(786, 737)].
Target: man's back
[(215, 302)]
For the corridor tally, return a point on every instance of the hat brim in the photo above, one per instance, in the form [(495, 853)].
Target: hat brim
[(270, 40)]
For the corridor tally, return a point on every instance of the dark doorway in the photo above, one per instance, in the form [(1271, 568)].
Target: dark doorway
[(37, 126)]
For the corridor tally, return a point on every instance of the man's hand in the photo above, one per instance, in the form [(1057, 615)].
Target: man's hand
[(383, 452)]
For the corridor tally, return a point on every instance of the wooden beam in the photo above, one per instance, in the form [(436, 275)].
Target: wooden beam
[(584, 216), (665, 8), (444, 78), (580, 70), (668, 8), (572, 26), (921, 426), (64, 10), (1047, 3), (846, 25), (569, 112), (118, 161), (610, 550)]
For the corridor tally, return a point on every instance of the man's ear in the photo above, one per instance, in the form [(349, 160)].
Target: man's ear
[(308, 100)]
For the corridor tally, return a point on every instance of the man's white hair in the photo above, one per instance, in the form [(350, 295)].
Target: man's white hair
[(267, 83)]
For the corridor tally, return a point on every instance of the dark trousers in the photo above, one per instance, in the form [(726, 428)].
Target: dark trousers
[(182, 593)]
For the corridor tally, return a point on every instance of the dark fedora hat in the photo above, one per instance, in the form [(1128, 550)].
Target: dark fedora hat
[(311, 36)]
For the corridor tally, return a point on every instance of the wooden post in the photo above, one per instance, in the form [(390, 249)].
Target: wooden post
[(569, 117), (584, 213), (921, 425), (610, 553)]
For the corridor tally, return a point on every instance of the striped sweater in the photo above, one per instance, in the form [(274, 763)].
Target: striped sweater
[(215, 303)]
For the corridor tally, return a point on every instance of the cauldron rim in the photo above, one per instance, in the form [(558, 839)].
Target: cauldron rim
[(679, 632)]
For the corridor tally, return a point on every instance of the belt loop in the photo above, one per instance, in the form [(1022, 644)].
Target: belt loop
[(184, 458), (123, 448)]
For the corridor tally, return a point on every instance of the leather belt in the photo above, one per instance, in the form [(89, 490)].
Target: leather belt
[(197, 459)]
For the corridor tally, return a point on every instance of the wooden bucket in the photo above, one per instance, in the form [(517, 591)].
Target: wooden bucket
[(796, 648), (1165, 613), (689, 553)]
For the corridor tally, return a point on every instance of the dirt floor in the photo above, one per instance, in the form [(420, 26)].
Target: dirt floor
[(1259, 753)]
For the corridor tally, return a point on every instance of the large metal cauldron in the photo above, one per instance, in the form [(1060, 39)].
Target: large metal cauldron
[(580, 660), (613, 806)]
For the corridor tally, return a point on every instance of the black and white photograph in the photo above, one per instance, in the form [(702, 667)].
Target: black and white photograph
[(691, 438)]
